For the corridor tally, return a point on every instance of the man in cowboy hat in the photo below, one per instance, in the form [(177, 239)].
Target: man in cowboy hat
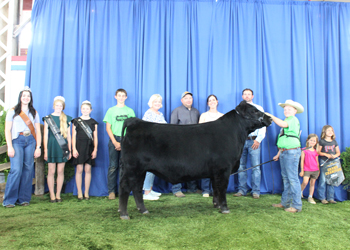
[(289, 153), (251, 148)]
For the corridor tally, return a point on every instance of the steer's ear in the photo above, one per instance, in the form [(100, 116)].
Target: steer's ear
[(242, 108)]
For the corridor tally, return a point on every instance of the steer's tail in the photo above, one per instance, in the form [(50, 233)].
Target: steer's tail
[(126, 123)]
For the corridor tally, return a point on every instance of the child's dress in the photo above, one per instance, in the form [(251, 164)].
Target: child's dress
[(83, 144)]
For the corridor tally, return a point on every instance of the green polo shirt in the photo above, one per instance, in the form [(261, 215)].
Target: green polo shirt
[(292, 129), (116, 116)]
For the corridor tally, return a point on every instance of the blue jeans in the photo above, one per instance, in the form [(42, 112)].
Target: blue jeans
[(19, 181), (205, 184), (176, 188), (289, 161), (148, 183), (254, 155), (191, 187), (323, 189), (113, 169)]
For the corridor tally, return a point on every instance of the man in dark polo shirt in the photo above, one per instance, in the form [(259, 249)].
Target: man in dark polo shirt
[(185, 114)]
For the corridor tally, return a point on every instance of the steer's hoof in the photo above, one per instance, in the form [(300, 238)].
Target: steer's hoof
[(225, 211), (125, 217), (145, 212)]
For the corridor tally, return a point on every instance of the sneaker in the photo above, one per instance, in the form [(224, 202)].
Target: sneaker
[(179, 194), (256, 196), (311, 200), (111, 196), (291, 210), (238, 194), (10, 206), (324, 201), (206, 195), (24, 204), (150, 197), (154, 193), (332, 201), (278, 205)]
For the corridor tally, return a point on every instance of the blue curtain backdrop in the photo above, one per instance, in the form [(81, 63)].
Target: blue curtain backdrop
[(280, 49)]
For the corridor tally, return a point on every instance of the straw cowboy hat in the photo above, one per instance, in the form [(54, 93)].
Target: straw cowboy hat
[(296, 105)]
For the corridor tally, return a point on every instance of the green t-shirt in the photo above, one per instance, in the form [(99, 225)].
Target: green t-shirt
[(116, 116), (292, 129)]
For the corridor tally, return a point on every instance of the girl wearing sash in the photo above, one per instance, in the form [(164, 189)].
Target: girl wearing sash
[(22, 128), (84, 146), (57, 146)]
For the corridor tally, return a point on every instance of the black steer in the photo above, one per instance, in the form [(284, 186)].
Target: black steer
[(180, 153)]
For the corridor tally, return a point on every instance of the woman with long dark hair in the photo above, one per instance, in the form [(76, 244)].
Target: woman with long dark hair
[(211, 115), (22, 131)]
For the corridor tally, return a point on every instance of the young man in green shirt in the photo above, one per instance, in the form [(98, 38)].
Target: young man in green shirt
[(114, 120)]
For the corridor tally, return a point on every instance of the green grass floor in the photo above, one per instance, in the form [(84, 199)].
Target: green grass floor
[(174, 223)]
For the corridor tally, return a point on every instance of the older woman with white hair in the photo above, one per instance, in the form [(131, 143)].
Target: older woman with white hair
[(152, 115)]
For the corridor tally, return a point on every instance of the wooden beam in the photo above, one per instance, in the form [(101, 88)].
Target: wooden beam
[(5, 166), (3, 149), (40, 171)]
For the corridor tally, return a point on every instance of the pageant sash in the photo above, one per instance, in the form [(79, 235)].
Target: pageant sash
[(57, 133), (86, 128), (29, 123)]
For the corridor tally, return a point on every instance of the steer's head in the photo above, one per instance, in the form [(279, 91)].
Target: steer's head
[(255, 118)]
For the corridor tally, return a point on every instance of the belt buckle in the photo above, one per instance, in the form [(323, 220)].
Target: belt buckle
[(26, 133)]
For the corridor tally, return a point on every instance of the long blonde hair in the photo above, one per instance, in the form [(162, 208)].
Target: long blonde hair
[(63, 119)]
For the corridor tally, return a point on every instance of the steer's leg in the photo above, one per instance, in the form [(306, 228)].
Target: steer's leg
[(215, 194), (123, 202), (137, 192), (221, 184), (124, 192)]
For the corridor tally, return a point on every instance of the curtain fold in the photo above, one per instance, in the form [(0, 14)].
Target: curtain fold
[(85, 50)]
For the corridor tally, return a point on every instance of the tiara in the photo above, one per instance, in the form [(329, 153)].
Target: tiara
[(61, 98), (26, 88), (86, 102)]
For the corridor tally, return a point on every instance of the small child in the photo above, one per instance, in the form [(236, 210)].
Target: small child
[(309, 166), (114, 120), (328, 149), (84, 146)]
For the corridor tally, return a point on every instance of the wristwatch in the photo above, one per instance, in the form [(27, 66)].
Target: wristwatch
[(38, 147)]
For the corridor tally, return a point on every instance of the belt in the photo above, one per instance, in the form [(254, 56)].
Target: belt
[(251, 137), (285, 149), (25, 133)]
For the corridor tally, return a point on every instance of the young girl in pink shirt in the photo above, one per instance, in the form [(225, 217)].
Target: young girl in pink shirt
[(309, 166)]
